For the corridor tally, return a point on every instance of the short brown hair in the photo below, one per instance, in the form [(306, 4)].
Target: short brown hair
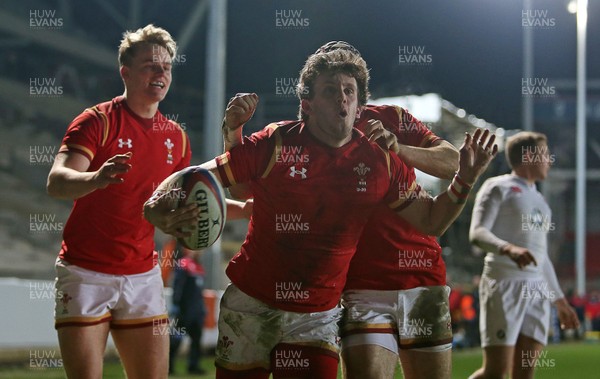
[(336, 61), (149, 34), (516, 144)]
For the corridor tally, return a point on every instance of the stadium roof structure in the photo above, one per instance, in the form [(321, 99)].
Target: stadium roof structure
[(443, 117)]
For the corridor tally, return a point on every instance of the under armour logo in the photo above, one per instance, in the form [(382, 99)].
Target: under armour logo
[(125, 143), (294, 171)]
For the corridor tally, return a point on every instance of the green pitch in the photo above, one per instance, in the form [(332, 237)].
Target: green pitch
[(565, 361)]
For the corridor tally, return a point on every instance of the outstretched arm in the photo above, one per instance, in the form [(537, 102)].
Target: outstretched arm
[(433, 216)]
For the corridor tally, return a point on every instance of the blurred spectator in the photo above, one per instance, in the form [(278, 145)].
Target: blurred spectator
[(470, 314), (454, 304), (188, 310), (592, 310)]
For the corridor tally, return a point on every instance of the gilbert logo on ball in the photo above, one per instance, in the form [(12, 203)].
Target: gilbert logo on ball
[(202, 188)]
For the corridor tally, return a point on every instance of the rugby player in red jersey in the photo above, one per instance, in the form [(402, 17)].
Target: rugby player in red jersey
[(112, 157), (397, 270), (315, 182)]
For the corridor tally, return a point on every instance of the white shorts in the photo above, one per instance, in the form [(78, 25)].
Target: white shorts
[(85, 297), (249, 329), (512, 307), (417, 318)]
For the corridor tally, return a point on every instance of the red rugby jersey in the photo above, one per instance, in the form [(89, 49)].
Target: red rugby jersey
[(106, 230), (311, 202), (391, 254)]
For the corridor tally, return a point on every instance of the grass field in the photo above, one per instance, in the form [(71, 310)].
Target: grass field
[(565, 361)]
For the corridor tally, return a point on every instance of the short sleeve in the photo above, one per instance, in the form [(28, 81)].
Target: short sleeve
[(250, 160), (413, 132), (86, 133), (187, 152)]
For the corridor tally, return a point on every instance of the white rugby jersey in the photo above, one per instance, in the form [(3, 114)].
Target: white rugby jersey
[(509, 210)]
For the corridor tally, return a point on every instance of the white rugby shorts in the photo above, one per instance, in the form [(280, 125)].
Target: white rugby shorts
[(249, 329), (510, 307), (85, 297), (417, 318)]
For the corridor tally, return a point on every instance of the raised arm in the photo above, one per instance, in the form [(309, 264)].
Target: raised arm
[(433, 216), (239, 110)]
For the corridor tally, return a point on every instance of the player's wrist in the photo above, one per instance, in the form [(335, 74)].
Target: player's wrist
[(230, 135), (504, 249), (458, 190), (228, 126)]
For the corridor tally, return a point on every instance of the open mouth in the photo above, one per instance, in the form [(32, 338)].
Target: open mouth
[(343, 113), (157, 84)]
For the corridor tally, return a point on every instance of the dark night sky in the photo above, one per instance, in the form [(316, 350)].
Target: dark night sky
[(475, 45)]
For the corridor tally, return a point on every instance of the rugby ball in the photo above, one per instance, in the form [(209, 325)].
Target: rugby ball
[(199, 186)]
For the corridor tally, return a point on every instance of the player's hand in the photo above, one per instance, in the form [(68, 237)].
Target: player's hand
[(108, 173), (161, 211), (476, 153), (566, 314), (239, 110), (520, 255), (383, 137)]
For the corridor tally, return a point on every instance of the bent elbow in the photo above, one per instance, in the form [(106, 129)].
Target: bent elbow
[(55, 188), (52, 188), (474, 235)]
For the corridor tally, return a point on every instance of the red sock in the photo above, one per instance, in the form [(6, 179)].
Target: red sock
[(255, 373), (298, 361)]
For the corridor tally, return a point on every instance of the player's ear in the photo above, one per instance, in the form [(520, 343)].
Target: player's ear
[(527, 156), (124, 71), (305, 104), (359, 110)]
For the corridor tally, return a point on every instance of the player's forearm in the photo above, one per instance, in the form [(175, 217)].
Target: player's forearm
[(440, 161), (69, 184), (231, 137), (433, 216), (485, 239), (550, 277), (237, 210), (442, 214)]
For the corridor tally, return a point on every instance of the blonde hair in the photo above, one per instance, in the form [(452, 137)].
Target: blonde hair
[(518, 142), (149, 34)]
